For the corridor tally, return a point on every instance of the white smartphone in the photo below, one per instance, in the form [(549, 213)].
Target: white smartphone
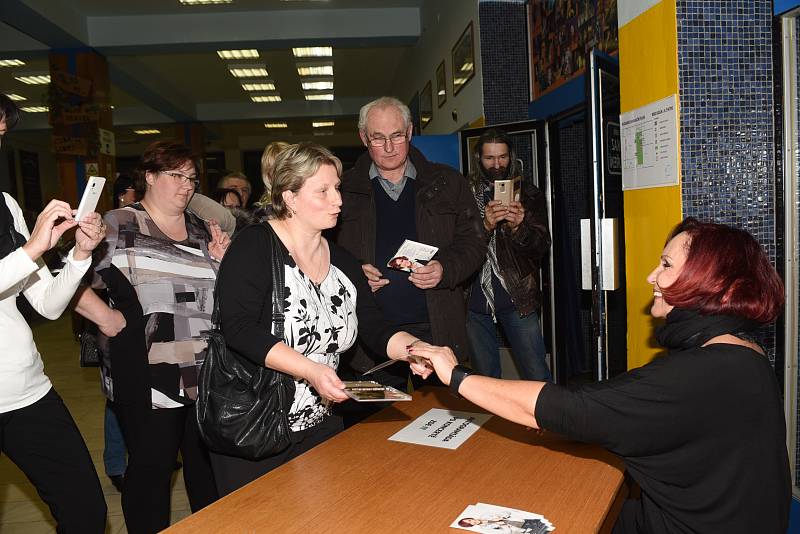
[(94, 187)]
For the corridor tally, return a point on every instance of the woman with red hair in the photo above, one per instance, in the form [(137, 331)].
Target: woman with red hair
[(700, 429)]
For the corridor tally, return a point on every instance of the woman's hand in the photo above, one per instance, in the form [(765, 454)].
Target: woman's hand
[(91, 231), (441, 359), (419, 366), (46, 232), (113, 324), (324, 379), (219, 241)]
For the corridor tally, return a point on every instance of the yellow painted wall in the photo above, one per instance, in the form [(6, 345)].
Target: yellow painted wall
[(648, 60)]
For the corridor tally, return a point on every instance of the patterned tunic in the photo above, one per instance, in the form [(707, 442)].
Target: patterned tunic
[(164, 288)]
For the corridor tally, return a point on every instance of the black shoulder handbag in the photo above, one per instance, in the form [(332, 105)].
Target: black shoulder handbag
[(243, 412)]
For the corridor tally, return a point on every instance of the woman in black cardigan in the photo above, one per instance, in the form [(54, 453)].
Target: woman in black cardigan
[(327, 304), (701, 429)]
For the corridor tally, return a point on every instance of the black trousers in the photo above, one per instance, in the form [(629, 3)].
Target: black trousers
[(153, 438), (232, 473), (44, 442)]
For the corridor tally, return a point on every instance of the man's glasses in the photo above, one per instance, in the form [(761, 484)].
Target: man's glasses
[(396, 139), (182, 179)]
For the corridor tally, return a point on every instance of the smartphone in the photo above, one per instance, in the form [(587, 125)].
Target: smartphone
[(94, 187), (507, 190)]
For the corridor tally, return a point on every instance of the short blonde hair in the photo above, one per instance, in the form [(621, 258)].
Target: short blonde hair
[(293, 166), (267, 163)]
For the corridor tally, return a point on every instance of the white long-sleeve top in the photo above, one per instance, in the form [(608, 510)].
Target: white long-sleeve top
[(22, 378)]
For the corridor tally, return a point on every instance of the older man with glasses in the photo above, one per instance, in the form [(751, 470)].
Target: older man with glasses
[(394, 193)]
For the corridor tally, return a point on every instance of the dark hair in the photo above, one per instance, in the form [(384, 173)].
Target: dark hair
[(220, 194), (162, 156), (122, 184), (726, 273), (8, 111), (465, 522), (493, 135)]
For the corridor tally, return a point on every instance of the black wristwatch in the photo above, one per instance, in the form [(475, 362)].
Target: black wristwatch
[(457, 376)]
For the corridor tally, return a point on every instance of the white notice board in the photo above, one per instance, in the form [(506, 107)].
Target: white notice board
[(437, 427), (650, 145)]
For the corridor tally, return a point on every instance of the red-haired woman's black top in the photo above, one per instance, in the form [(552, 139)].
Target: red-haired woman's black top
[(700, 429)]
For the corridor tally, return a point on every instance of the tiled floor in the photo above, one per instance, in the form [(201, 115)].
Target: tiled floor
[(21, 510)]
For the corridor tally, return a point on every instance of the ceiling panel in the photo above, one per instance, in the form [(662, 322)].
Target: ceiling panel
[(94, 8)]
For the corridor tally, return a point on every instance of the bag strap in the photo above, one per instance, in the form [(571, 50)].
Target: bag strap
[(277, 264), (277, 283)]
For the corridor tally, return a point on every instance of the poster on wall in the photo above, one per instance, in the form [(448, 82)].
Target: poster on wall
[(562, 33), (426, 105), (650, 145), (463, 56), (441, 85)]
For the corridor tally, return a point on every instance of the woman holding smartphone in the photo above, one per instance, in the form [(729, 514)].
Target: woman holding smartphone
[(36, 430), (158, 264)]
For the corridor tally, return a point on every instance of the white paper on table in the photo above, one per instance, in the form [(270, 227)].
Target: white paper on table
[(446, 429)]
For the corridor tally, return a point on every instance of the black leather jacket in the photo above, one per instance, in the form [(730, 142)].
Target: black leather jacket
[(519, 254)]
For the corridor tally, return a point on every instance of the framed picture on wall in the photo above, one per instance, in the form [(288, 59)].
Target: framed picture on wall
[(426, 105), (463, 60), (441, 85)]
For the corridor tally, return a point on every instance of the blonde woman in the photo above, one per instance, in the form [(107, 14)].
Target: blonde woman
[(327, 304)]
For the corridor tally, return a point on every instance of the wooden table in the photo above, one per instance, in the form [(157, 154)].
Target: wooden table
[(359, 482)]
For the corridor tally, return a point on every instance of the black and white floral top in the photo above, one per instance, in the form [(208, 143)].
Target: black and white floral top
[(321, 321)]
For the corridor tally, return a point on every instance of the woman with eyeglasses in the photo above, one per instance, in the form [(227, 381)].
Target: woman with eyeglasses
[(159, 265)]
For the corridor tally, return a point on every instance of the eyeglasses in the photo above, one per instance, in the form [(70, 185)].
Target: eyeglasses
[(396, 139), (182, 179)]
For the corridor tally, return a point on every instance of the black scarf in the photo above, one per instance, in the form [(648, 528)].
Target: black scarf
[(687, 329), (10, 239)]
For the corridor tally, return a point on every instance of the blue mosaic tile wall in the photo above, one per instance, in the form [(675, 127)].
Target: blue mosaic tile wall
[(726, 116), (504, 56)]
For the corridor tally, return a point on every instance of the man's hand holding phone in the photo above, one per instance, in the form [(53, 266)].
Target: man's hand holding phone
[(494, 213)]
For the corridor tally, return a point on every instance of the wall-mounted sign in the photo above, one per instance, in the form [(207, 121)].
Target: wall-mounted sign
[(92, 169), (73, 146), (613, 149), (107, 143), (650, 145), (79, 114), (71, 83)]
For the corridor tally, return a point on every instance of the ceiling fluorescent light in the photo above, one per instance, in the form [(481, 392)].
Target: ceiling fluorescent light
[(323, 124), (238, 54), (34, 79), (467, 66), (317, 86), (15, 97), (320, 96), (275, 125), (315, 69), (259, 86), (11, 62), (265, 98), (149, 131), (249, 71), (313, 51), (35, 109), (204, 2)]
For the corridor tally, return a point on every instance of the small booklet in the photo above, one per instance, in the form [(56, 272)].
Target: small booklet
[(371, 391), (411, 255)]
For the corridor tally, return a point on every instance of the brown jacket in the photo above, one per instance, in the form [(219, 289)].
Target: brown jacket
[(446, 216)]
